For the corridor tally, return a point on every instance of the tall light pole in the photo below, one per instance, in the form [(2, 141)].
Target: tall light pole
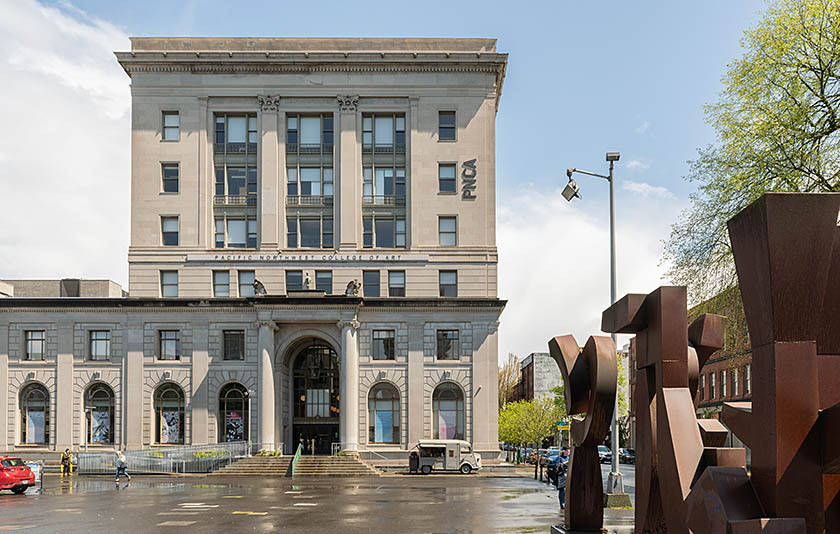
[(615, 484), (251, 394)]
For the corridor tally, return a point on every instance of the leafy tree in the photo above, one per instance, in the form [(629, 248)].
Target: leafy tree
[(777, 122), (528, 422), (508, 378)]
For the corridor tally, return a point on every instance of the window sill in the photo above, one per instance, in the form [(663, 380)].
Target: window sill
[(448, 193), (447, 140), (169, 193), (171, 140)]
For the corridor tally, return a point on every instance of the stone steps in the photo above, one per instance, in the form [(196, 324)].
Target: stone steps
[(277, 466)]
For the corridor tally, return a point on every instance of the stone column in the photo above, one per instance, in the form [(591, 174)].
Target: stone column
[(199, 396), (64, 388), (415, 383), (206, 180), (270, 171), (349, 394), (349, 175), (412, 164), (4, 387), (132, 387), (265, 379)]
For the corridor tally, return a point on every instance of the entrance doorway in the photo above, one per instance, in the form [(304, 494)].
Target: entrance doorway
[(316, 399)]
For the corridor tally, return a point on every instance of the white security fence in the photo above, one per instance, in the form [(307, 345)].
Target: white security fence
[(179, 459)]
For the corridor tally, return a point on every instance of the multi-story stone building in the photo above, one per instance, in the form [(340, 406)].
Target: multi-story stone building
[(538, 375), (312, 256)]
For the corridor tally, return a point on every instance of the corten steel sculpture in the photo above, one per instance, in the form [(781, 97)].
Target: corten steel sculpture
[(787, 255), (590, 378), (672, 446)]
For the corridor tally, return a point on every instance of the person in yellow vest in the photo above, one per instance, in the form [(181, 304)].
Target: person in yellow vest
[(66, 462)]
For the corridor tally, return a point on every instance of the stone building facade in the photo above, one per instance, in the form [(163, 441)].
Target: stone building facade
[(312, 257), (539, 374)]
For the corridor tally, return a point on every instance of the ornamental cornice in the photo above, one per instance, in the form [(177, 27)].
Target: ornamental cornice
[(266, 324), (353, 323), (269, 102), (274, 68)]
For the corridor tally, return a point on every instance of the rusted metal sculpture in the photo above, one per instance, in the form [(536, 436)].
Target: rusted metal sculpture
[(590, 378)]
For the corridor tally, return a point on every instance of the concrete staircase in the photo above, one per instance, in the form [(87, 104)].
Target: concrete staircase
[(333, 466), (279, 466), (263, 466)]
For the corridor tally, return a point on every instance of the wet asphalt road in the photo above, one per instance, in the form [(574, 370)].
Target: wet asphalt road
[(436, 504), (389, 504)]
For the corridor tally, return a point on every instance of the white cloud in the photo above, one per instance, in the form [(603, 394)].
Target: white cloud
[(65, 177), (554, 262), (642, 128), (636, 164), (646, 190)]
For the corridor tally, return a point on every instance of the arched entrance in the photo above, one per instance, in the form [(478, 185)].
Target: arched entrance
[(315, 400)]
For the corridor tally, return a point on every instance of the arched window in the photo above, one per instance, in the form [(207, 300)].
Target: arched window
[(169, 414), (448, 412), (233, 413), (99, 407), (35, 414), (384, 414)]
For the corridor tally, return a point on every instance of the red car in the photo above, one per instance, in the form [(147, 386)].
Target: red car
[(15, 475)]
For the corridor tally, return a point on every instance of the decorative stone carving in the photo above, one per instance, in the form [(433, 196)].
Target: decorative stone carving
[(269, 102), (353, 288), (269, 324), (307, 282), (348, 102), (353, 323)]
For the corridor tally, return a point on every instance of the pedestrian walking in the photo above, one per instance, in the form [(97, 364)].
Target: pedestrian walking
[(562, 466), (66, 462), (121, 463)]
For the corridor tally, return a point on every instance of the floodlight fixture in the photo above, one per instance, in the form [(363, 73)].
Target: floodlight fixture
[(613, 156), (571, 189)]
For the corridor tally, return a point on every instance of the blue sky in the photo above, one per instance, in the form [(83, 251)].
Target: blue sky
[(584, 78)]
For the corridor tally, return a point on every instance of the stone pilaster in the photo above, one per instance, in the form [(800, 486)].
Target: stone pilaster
[(271, 172), (132, 387), (349, 174), (64, 388), (265, 381), (415, 384), (199, 397), (349, 402), (4, 387)]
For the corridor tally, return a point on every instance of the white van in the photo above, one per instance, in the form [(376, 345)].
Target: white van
[(444, 455)]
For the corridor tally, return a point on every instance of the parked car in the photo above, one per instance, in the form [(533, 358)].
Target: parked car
[(552, 460), (604, 454), (15, 475), (627, 456)]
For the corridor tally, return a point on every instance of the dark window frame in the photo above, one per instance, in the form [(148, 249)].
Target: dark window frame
[(383, 345), (93, 355), (167, 181), (167, 339), (448, 290), (327, 287), (166, 130), (170, 238), (29, 340), (448, 344), (233, 345), (447, 131), (396, 290), (366, 284), (451, 183)]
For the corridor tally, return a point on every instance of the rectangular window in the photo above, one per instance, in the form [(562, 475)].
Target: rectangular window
[(735, 382), (323, 281), (384, 229), (446, 125), (367, 232), (291, 134), (447, 345), (236, 232), (100, 344), (712, 391), (723, 384), (447, 231), (370, 283), (221, 283), (169, 172), (383, 345), (747, 379), (234, 341), (169, 283), (170, 345), (169, 231), (448, 283), (396, 283), (383, 133), (236, 235), (294, 281), (446, 178), (236, 134), (291, 232), (702, 387), (35, 343), (171, 126), (327, 233), (310, 134), (310, 233), (246, 283), (220, 233), (252, 233)]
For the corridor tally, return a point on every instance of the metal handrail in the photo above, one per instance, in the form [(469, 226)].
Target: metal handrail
[(175, 459), (309, 200), (296, 459)]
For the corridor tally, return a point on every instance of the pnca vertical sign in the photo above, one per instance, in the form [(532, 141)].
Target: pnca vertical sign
[(468, 179)]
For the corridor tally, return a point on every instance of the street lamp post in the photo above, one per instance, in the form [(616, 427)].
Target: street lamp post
[(251, 393), (615, 484)]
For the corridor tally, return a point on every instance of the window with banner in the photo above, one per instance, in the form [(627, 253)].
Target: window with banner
[(99, 405), (384, 414), (35, 415), (448, 412), (233, 412), (169, 414)]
